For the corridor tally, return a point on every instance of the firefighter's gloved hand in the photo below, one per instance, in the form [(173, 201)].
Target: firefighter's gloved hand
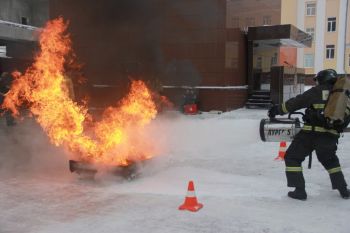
[(273, 111)]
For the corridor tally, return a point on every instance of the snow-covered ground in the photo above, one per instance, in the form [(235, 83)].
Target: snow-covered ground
[(241, 186)]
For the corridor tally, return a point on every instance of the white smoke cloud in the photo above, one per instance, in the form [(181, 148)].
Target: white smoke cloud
[(25, 149)]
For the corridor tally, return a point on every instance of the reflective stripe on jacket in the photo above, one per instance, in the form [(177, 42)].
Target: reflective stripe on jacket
[(319, 129), (314, 100)]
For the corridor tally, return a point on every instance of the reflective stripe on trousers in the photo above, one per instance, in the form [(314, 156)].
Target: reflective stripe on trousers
[(334, 170), (294, 169)]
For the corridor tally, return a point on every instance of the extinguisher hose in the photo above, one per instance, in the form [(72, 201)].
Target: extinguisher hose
[(310, 161)]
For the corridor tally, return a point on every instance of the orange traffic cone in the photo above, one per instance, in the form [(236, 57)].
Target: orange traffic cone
[(282, 151), (191, 203)]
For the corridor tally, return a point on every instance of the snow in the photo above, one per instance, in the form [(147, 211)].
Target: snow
[(243, 189)]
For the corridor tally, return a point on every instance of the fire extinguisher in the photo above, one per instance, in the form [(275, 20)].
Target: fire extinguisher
[(283, 129), (280, 129)]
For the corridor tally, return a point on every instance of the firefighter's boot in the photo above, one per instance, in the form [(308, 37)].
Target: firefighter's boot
[(298, 193), (344, 193)]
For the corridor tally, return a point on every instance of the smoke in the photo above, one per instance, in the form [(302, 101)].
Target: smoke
[(26, 150)]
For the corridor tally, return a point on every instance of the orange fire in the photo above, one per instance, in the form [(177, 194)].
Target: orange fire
[(117, 139)]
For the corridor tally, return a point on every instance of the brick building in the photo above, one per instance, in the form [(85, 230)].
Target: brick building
[(179, 44), (174, 45)]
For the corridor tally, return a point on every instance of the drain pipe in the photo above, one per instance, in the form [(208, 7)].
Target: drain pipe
[(346, 62)]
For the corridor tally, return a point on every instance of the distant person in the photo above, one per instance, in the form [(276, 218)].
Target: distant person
[(189, 97), (69, 87), (5, 84)]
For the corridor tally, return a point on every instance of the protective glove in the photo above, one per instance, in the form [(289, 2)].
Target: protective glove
[(273, 111)]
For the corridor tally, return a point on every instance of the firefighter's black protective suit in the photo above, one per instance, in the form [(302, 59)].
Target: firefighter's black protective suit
[(315, 135)]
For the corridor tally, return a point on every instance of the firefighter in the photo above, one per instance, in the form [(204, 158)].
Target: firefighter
[(5, 83), (315, 135), (189, 97)]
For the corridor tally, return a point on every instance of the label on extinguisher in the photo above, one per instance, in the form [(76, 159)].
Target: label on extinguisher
[(278, 132)]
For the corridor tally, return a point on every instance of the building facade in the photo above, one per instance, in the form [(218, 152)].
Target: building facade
[(173, 45), (26, 12), (180, 45), (325, 20), (19, 21), (243, 14)]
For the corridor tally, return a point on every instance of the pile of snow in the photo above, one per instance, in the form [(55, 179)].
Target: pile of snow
[(243, 189)]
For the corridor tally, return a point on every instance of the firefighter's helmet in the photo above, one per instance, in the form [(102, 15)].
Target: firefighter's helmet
[(328, 76)]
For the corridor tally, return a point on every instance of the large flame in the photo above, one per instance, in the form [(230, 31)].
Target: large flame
[(117, 139)]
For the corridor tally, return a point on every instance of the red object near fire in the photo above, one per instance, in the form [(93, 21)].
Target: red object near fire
[(190, 109), (191, 202)]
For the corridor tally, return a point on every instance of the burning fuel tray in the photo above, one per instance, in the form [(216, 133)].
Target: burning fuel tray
[(89, 170)]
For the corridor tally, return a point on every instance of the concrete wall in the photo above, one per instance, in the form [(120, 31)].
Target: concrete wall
[(36, 11), (331, 38), (13, 10), (20, 41), (289, 11), (39, 12), (347, 59), (347, 47)]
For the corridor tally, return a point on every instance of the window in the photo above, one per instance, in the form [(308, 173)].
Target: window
[(235, 22), (24, 20), (308, 60), (274, 59), (332, 24), (330, 50), (231, 54), (267, 20), (2, 51), (311, 32), (259, 62), (250, 21), (311, 9)]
